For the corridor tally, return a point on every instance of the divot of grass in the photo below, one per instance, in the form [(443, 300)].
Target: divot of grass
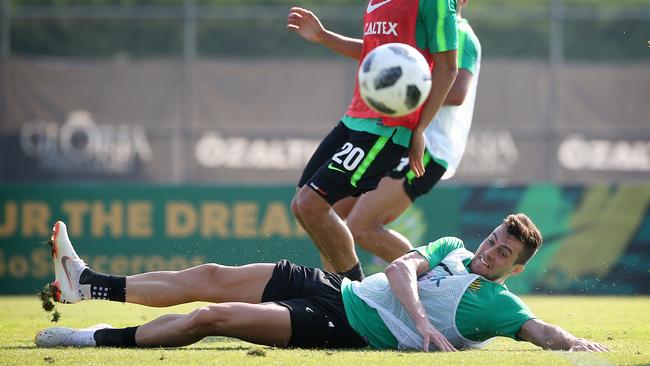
[(56, 316), (257, 352), (47, 302)]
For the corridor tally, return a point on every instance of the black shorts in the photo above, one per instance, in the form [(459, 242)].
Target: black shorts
[(349, 163), (314, 300), (414, 186)]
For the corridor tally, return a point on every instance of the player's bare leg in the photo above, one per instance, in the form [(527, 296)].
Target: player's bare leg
[(342, 209), (207, 282), (298, 215), (267, 323), (344, 206), (325, 227), (372, 212), (327, 266)]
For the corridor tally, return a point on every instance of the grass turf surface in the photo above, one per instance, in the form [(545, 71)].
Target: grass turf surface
[(621, 323)]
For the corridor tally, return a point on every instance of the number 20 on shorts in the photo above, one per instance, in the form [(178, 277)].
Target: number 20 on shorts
[(349, 156)]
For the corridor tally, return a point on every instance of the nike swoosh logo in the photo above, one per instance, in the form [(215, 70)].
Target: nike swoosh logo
[(332, 167), (64, 260), (372, 8)]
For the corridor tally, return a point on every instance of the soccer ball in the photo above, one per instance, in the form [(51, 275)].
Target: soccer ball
[(394, 79)]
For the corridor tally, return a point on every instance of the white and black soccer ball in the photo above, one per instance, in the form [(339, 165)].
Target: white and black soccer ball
[(394, 79)]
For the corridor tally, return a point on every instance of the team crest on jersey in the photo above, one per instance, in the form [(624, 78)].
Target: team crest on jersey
[(475, 286), (385, 28)]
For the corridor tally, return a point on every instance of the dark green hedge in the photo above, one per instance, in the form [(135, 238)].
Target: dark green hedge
[(505, 29)]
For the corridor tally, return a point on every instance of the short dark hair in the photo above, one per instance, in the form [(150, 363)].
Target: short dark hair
[(523, 228)]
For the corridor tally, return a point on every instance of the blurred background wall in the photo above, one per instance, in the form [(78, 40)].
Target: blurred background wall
[(197, 117), (202, 91)]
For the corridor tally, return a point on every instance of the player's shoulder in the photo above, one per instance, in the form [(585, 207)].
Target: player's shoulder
[(451, 242), (464, 26), (466, 29), (441, 247)]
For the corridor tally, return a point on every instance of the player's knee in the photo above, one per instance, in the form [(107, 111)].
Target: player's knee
[(309, 205), (294, 207), (208, 320), (209, 273), (196, 320), (358, 232), (208, 270), (361, 232)]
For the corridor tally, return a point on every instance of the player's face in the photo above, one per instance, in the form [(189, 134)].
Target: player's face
[(495, 257)]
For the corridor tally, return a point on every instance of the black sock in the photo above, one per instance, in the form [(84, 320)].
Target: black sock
[(104, 286), (110, 337), (355, 273)]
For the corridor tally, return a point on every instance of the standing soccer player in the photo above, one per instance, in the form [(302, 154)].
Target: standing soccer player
[(446, 138), (377, 142)]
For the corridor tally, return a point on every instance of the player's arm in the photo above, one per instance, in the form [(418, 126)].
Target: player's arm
[(309, 27), (459, 89), (442, 77), (402, 276), (549, 336)]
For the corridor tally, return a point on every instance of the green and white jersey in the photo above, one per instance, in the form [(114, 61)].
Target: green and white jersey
[(446, 136), (468, 309), (487, 308)]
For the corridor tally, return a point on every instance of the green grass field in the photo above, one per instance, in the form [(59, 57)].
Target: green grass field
[(621, 323)]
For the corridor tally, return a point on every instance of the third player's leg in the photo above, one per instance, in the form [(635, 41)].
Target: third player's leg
[(206, 282), (328, 146), (372, 212), (330, 234), (344, 206), (382, 206), (356, 167), (342, 209)]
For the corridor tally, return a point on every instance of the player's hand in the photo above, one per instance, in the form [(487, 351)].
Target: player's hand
[(305, 23), (416, 152), (585, 345), (432, 335)]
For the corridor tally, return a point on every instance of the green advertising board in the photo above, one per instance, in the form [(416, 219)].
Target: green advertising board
[(128, 229), (597, 239)]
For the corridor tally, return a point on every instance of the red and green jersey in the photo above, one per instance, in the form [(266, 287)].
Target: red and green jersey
[(428, 25)]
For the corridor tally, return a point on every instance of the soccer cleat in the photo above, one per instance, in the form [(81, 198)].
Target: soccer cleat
[(67, 268), (62, 337)]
